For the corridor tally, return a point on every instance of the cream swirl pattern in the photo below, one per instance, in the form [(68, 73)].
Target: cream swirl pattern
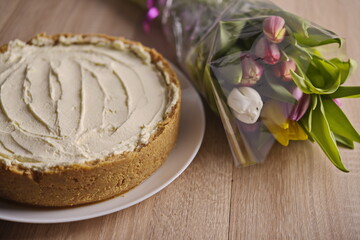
[(72, 103)]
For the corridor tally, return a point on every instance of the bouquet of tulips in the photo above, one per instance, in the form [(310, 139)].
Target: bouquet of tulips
[(271, 75)]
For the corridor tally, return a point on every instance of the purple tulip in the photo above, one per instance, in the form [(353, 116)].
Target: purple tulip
[(297, 111), (251, 70), (267, 51), (282, 70), (274, 28)]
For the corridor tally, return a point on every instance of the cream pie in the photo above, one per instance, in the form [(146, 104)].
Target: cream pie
[(83, 118)]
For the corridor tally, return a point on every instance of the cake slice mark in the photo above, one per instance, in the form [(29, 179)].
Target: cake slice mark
[(6, 148), (82, 102), (114, 94), (9, 112), (19, 145), (56, 93), (128, 100), (14, 67), (8, 142), (94, 106), (37, 147), (130, 68), (69, 105), (28, 99), (105, 97), (116, 74)]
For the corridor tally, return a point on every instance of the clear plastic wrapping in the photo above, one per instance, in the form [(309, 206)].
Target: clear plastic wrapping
[(266, 72)]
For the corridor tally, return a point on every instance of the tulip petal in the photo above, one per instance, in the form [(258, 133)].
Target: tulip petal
[(267, 51), (299, 109), (251, 70), (275, 120), (245, 103), (274, 28)]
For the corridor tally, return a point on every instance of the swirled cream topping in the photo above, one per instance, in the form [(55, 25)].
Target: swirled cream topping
[(73, 103)]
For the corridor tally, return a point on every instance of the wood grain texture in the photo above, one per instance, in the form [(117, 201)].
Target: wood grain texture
[(295, 194)]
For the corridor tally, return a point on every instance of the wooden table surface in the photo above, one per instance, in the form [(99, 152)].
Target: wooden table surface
[(296, 194)]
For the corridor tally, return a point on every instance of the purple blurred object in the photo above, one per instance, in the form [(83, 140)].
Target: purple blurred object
[(152, 13), (297, 111), (150, 3)]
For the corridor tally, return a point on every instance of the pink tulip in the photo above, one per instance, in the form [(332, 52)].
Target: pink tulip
[(297, 111), (274, 28), (251, 70), (282, 70), (267, 51)]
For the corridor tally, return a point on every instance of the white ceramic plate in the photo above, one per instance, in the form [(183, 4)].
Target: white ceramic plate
[(191, 132)]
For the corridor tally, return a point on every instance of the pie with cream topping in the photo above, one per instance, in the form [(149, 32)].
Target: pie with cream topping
[(83, 118)]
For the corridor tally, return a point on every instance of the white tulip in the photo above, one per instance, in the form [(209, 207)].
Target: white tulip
[(245, 103)]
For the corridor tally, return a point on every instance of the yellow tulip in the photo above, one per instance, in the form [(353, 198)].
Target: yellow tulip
[(275, 119)]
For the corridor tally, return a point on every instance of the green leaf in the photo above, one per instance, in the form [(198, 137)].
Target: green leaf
[(295, 23), (344, 141), (321, 133), (228, 68), (308, 34), (314, 101), (319, 76), (324, 76), (346, 92), (208, 89), (338, 122), (306, 131), (195, 65), (317, 36), (346, 68), (281, 92), (229, 32), (313, 105), (294, 49), (299, 79), (284, 56)]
